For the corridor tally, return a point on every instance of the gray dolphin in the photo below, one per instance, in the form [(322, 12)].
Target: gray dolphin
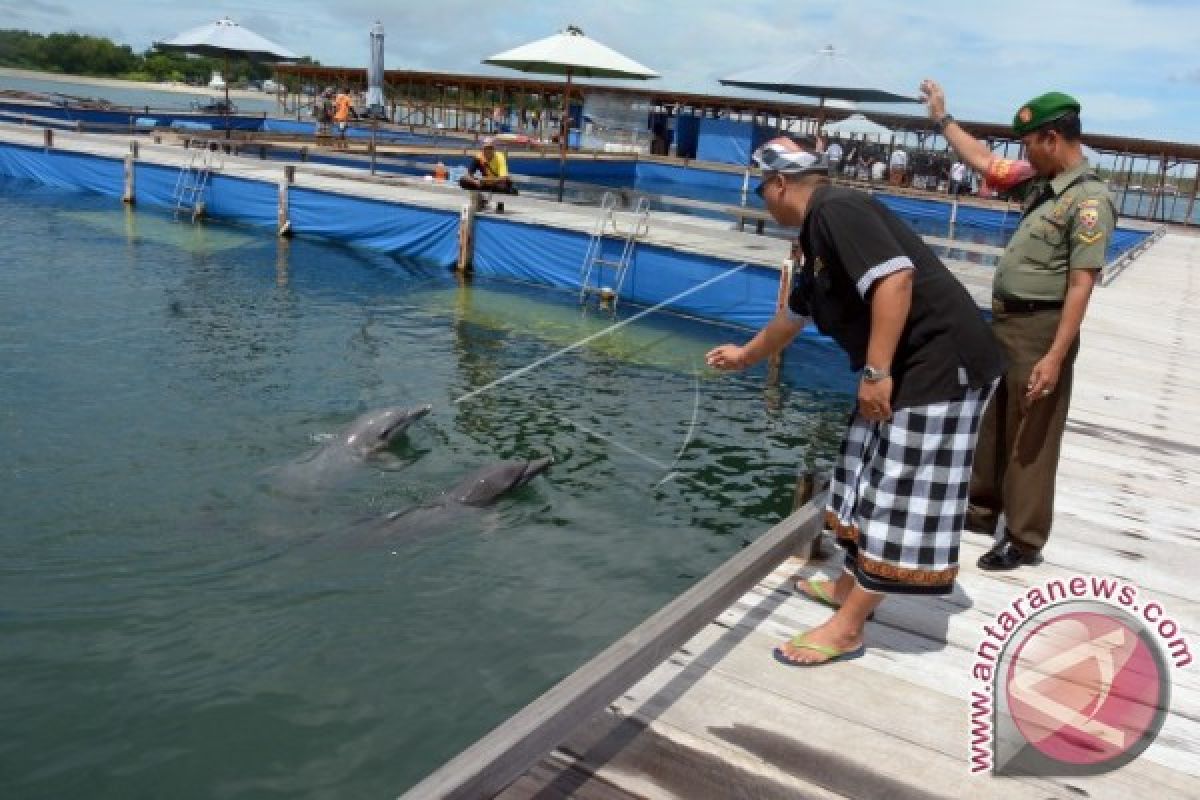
[(487, 485), (480, 489), (369, 435)]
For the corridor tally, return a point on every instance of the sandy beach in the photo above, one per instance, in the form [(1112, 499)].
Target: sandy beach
[(178, 88)]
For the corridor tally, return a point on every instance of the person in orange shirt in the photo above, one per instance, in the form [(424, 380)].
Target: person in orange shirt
[(343, 109)]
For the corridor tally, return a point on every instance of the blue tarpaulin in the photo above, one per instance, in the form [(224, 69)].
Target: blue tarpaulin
[(420, 233), (555, 257), (729, 141), (503, 248)]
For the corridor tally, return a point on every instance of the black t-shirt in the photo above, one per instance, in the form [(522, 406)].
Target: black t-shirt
[(850, 240)]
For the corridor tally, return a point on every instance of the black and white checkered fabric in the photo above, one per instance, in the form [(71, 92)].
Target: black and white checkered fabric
[(898, 497)]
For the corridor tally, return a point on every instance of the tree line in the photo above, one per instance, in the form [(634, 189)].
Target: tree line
[(80, 54)]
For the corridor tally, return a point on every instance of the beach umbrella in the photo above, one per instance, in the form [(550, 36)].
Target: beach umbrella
[(226, 39), (827, 75), (574, 55), (375, 72), (857, 125)]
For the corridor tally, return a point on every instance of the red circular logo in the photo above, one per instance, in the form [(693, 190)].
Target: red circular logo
[(1085, 688)]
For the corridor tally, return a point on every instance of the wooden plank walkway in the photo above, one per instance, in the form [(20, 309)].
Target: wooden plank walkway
[(681, 232), (721, 719)]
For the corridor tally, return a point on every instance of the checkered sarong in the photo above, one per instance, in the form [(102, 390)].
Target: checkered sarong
[(898, 498)]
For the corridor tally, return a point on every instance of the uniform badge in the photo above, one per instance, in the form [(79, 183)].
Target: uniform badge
[(1087, 220), (1025, 114)]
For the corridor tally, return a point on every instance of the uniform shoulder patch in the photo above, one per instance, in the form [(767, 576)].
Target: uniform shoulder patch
[(1087, 219)]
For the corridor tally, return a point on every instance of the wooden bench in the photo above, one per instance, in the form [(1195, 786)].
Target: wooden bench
[(743, 213)]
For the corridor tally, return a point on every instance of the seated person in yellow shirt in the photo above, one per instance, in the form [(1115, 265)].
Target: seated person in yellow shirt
[(488, 171)]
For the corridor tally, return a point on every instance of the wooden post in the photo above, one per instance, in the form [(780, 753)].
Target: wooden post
[(1187, 216), (808, 485), (775, 362), (282, 248), (48, 138), (128, 195), (284, 220), (466, 234), (374, 128)]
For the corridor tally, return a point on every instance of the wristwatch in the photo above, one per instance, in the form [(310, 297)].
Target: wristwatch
[(941, 122), (874, 374)]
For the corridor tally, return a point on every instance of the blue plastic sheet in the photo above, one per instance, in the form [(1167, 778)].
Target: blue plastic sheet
[(554, 258), (63, 170), (725, 141), (424, 234)]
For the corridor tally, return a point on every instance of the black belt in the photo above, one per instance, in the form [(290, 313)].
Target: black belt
[(1010, 305)]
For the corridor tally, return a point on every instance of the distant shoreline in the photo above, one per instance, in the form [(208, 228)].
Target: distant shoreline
[(117, 83)]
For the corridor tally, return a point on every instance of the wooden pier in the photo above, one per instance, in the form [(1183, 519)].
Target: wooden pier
[(719, 718), (680, 232)]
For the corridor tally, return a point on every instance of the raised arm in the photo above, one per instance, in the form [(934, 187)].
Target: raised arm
[(973, 152)]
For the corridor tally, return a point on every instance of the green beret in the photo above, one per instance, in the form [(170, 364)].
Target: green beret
[(1042, 109)]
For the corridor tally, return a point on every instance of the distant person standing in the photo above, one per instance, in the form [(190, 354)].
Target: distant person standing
[(878, 170), (1040, 294), (834, 153), (958, 175), (897, 167), (343, 109)]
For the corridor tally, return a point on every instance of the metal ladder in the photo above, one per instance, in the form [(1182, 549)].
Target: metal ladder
[(606, 225), (192, 182)]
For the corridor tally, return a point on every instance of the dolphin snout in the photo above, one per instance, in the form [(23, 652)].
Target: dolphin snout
[(538, 465)]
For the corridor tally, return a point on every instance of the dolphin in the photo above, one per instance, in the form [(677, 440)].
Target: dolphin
[(480, 489), (487, 485), (368, 436)]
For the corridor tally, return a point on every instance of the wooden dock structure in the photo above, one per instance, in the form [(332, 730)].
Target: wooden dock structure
[(680, 232)]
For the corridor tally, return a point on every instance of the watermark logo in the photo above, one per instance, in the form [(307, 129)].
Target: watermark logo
[(1074, 680)]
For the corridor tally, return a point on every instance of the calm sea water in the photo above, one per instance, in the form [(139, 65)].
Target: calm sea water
[(134, 95), (173, 625)]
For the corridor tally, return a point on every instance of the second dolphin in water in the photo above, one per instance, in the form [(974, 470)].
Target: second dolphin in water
[(487, 485), (480, 489)]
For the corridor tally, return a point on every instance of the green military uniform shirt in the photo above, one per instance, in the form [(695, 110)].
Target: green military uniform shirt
[(1067, 224)]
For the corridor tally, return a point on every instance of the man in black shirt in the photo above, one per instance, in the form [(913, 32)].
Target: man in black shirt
[(929, 364)]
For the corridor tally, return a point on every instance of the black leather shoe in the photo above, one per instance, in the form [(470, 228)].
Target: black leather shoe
[(1007, 556)]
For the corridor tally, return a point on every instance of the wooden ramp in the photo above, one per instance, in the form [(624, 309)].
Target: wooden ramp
[(721, 719)]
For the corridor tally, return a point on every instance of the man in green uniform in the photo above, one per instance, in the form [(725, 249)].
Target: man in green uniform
[(1039, 296)]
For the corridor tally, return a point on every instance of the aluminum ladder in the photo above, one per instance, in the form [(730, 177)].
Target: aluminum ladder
[(192, 183), (606, 224)]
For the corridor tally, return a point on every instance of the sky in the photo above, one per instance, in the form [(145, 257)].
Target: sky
[(1134, 65)]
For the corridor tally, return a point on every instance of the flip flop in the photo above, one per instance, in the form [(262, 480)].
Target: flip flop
[(832, 654), (816, 592)]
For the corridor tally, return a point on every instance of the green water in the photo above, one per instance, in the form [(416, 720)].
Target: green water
[(174, 626)]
